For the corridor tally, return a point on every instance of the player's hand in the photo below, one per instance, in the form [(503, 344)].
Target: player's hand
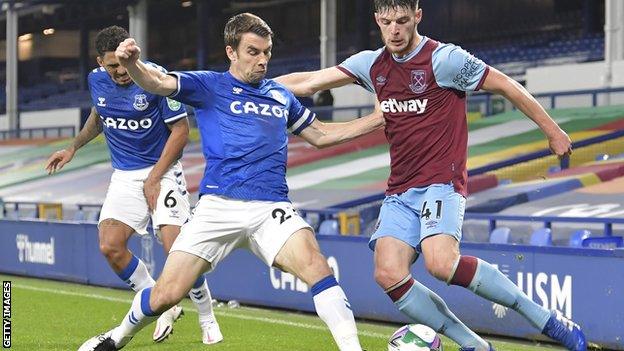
[(560, 143), (128, 52), (59, 159), (151, 190)]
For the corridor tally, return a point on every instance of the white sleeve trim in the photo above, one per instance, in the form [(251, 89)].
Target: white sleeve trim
[(177, 75), (300, 121), (176, 117)]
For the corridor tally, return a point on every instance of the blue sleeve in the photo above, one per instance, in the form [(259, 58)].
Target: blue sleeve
[(194, 87), (358, 67), (455, 68), (299, 117), (171, 110)]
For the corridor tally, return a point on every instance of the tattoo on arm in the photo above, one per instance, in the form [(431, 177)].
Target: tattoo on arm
[(92, 128)]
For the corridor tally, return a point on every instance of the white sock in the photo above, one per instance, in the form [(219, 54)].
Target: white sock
[(136, 275), (139, 315), (333, 307), (203, 300)]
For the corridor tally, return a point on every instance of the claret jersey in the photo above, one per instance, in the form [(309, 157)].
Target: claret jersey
[(243, 128), (134, 121), (423, 99)]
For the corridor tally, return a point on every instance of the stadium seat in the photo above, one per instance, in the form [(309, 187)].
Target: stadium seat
[(79, 215), (604, 242), (577, 237), (329, 227), (541, 237), (93, 216), (500, 235)]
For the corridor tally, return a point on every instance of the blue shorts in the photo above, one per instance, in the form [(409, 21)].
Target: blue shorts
[(421, 212)]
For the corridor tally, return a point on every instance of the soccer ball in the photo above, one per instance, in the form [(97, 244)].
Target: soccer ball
[(415, 337)]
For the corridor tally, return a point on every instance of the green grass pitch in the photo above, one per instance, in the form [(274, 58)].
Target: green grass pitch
[(50, 315)]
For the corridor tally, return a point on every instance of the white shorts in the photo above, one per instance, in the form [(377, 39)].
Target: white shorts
[(126, 202), (219, 225)]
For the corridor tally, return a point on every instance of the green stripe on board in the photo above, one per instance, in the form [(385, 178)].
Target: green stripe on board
[(332, 161)]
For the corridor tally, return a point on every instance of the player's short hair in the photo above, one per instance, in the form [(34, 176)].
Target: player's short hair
[(384, 5), (109, 38), (244, 23)]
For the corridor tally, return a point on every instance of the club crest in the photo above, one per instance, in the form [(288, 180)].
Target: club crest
[(140, 102), (418, 81)]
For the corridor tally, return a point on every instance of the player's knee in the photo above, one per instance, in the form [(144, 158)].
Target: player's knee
[(387, 274), (112, 252), (441, 267)]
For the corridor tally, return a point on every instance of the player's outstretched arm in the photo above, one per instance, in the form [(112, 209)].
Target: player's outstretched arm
[(92, 128), (322, 134), (499, 83), (146, 76), (308, 83), (171, 153)]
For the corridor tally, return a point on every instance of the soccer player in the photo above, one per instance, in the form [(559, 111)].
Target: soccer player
[(145, 134), (243, 121), (421, 85)]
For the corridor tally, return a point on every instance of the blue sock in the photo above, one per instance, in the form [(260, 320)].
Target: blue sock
[(492, 284), (136, 275), (424, 306), (139, 315)]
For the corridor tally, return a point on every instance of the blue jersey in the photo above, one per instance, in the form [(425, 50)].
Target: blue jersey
[(134, 121), (244, 133)]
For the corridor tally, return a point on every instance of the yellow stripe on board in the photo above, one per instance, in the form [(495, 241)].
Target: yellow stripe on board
[(482, 160), (539, 168)]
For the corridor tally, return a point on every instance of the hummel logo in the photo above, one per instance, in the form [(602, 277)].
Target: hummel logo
[(237, 90), (101, 102)]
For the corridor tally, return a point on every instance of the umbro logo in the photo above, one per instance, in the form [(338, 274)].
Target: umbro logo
[(237, 90), (101, 102)]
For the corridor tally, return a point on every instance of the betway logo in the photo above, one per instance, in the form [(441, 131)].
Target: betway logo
[(34, 252), (393, 106), (286, 281)]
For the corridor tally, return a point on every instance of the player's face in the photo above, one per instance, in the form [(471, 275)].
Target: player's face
[(250, 60), (111, 64), (398, 29)]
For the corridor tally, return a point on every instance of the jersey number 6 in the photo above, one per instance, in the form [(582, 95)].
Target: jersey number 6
[(170, 201)]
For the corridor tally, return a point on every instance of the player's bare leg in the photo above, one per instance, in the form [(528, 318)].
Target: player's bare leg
[(302, 257), (179, 274), (199, 294), (393, 259), (113, 236), (443, 261)]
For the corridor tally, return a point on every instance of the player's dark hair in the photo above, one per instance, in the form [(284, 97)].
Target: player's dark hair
[(244, 23), (109, 38), (384, 5)]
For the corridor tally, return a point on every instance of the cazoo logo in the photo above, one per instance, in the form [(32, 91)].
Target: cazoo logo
[(286, 281), (126, 124)]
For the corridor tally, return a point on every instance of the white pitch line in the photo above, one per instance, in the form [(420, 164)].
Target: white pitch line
[(227, 314)]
